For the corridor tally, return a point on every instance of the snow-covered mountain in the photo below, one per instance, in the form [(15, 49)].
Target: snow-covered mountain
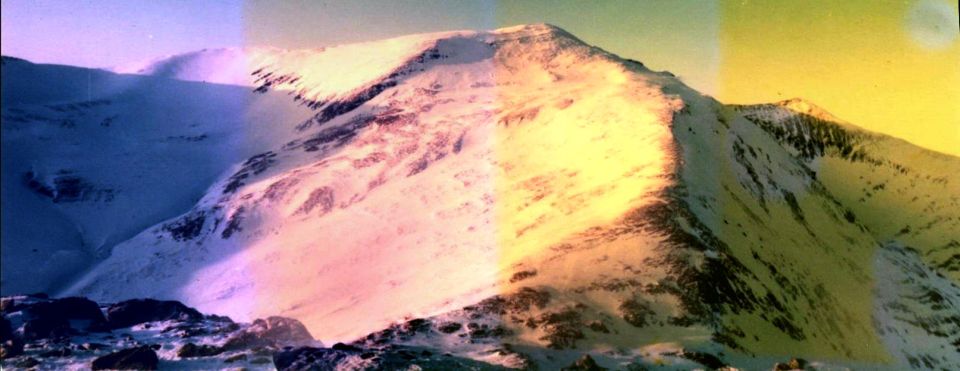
[(515, 196)]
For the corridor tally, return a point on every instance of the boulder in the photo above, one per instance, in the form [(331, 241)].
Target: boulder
[(798, 363), (60, 317), (45, 328), (137, 311), (449, 327), (191, 350), (794, 364), (584, 363), (703, 358), (140, 358), (73, 308), (272, 331), (345, 347)]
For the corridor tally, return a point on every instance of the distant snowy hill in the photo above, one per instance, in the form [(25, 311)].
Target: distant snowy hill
[(516, 197)]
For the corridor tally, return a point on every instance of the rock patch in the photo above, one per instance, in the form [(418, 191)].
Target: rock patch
[(139, 358)]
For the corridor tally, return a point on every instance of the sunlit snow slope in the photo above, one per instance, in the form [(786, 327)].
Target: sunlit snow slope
[(530, 197), (429, 173)]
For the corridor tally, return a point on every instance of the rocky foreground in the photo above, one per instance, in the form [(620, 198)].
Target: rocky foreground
[(38, 332)]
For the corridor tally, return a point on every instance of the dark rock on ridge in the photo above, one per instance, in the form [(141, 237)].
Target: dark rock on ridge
[(137, 311), (269, 332), (585, 363), (60, 317), (191, 350)]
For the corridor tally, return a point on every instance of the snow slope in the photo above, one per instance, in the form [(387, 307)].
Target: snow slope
[(519, 197), (411, 175), (91, 158)]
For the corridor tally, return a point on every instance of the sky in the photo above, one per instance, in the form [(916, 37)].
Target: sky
[(889, 66)]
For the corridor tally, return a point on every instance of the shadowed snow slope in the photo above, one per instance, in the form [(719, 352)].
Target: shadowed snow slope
[(528, 197), (91, 158)]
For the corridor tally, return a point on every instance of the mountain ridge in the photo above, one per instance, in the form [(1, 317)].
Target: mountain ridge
[(697, 218)]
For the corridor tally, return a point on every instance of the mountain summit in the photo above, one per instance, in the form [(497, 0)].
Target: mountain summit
[(516, 197)]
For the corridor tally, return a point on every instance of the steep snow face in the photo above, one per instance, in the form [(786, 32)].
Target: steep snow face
[(412, 192), (91, 158), (743, 251), (894, 190), (782, 273), (749, 253)]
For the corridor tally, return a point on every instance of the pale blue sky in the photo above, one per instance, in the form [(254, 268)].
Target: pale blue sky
[(106, 33)]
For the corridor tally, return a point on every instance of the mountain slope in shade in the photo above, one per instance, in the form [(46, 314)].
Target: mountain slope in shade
[(897, 191), (92, 158), (519, 197)]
